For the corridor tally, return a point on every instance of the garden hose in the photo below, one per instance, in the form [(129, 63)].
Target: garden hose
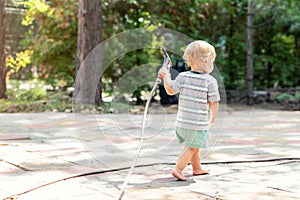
[(166, 64)]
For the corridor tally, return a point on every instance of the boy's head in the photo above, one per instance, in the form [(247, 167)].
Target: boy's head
[(200, 55)]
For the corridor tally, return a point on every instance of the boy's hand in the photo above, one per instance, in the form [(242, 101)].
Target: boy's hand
[(163, 72), (165, 75)]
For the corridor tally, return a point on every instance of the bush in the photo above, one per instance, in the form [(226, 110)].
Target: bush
[(26, 91), (32, 96)]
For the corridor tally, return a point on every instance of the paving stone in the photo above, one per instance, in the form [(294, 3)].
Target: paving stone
[(57, 146), (13, 137)]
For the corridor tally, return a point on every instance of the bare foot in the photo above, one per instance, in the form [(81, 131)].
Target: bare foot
[(200, 172), (178, 175)]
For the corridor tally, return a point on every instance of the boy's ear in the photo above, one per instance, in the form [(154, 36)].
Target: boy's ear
[(205, 60)]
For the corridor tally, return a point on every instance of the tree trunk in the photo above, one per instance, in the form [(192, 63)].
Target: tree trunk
[(250, 52), (269, 66), (2, 51), (231, 70), (89, 36)]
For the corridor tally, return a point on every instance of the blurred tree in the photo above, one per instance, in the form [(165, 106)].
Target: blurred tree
[(250, 52), (89, 36), (2, 52)]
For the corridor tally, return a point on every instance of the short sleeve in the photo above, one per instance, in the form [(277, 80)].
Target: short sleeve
[(213, 91), (176, 84)]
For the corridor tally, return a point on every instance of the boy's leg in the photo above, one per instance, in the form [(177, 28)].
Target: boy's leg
[(182, 162), (196, 164), (195, 161)]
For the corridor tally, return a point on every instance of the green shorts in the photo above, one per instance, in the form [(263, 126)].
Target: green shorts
[(192, 138)]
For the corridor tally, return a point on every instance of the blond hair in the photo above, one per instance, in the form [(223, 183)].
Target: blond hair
[(197, 51)]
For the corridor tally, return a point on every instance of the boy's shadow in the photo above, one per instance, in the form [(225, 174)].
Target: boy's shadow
[(165, 182)]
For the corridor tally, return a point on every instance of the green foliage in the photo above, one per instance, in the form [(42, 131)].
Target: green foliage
[(34, 6), (4, 104), (56, 102), (284, 97), (24, 96), (19, 91), (32, 96), (52, 37), (11, 106), (276, 58), (21, 60)]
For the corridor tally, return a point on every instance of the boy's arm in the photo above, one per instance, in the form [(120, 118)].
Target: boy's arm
[(213, 107), (167, 85), (165, 76), (213, 98)]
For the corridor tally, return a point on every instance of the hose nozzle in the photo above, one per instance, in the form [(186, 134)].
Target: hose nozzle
[(167, 64), (167, 61)]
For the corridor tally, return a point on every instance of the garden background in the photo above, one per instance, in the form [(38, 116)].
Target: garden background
[(257, 44)]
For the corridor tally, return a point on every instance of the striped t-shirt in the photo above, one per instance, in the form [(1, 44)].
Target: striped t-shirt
[(195, 91)]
